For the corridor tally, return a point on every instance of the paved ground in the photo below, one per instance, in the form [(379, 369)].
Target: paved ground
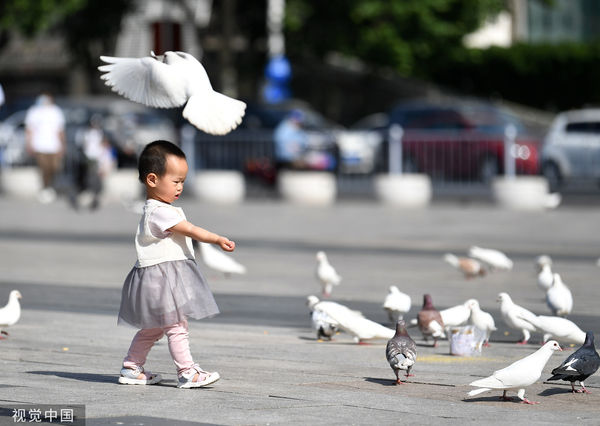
[(67, 349)]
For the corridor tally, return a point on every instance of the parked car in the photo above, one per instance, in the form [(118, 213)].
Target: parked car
[(128, 127), (460, 140), (571, 149)]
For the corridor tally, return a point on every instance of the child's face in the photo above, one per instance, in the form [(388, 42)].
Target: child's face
[(168, 188)]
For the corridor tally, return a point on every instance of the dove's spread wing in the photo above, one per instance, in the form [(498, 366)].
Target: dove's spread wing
[(145, 80)]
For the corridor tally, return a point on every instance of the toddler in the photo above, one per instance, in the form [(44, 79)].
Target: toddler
[(165, 286)]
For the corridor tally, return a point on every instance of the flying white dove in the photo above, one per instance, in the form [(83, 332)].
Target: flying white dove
[(396, 304), (513, 315), (456, 316), (469, 267), (519, 374), (326, 274), (351, 322), (558, 328), (545, 277), (10, 314), (219, 261), (559, 298), (482, 320), (493, 258), (179, 79)]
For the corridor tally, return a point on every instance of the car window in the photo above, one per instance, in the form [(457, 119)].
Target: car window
[(584, 127)]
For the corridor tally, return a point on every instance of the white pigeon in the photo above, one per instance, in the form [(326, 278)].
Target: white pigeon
[(396, 304), (559, 298), (558, 328), (519, 374), (179, 79), (219, 261), (493, 258), (545, 277), (361, 328), (456, 316), (482, 320), (326, 274), (11, 312), (323, 324), (513, 315), (469, 267), (542, 260)]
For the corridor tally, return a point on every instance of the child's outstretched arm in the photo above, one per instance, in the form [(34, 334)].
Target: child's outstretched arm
[(200, 234)]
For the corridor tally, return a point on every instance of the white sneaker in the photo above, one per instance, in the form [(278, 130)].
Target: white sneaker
[(130, 376), (186, 380)]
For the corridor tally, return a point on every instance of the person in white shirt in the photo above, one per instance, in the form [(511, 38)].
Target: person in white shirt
[(45, 138)]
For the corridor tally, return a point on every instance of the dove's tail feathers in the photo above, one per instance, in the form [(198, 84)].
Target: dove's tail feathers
[(478, 391), (488, 382), (215, 113)]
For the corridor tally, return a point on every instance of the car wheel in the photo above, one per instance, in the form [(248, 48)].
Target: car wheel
[(488, 169), (552, 175)]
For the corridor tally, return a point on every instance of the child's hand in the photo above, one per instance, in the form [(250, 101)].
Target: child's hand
[(226, 244)]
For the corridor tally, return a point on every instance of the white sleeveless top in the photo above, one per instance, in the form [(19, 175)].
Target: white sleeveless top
[(152, 250)]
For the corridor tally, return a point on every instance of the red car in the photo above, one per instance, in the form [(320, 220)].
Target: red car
[(463, 141)]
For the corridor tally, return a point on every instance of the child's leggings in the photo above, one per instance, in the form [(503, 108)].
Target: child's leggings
[(179, 346)]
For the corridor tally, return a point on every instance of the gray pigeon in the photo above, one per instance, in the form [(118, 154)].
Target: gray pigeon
[(401, 351), (580, 365)]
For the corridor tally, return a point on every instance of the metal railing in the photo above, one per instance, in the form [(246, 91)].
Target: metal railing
[(457, 162)]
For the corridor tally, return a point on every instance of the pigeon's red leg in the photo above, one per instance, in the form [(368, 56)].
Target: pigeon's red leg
[(435, 343), (526, 401), (486, 345), (522, 342), (582, 390), (505, 398), (360, 342)]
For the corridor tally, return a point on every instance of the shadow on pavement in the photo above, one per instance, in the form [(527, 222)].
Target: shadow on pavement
[(84, 377), (383, 382)]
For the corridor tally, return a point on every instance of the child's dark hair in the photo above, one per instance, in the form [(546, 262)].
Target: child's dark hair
[(153, 158)]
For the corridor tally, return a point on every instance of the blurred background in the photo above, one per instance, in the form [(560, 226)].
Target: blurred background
[(454, 74)]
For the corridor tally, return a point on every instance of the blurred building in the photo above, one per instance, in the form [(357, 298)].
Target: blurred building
[(535, 21), (28, 66)]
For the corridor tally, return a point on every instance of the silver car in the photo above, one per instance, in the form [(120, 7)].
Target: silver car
[(571, 150)]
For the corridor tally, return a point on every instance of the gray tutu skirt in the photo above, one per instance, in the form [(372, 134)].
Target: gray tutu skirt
[(165, 294)]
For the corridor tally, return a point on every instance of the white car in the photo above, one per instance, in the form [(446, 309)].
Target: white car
[(571, 149)]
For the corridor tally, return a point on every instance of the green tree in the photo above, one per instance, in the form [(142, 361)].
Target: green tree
[(32, 16), (406, 35)]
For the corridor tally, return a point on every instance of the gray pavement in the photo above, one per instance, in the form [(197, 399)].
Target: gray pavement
[(67, 348)]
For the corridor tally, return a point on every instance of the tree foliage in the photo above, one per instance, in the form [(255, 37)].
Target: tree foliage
[(406, 35), (32, 16)]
